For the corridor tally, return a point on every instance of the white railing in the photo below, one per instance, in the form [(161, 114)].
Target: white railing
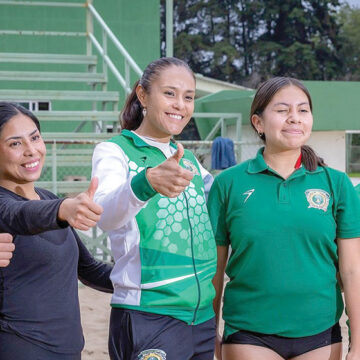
[(130, 63), (107, 34)]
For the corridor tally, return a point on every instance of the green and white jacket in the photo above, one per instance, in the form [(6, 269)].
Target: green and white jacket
[(164, 248)]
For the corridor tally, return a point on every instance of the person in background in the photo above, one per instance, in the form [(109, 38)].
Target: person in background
[(39, 305), (153, 195), (291, 223)]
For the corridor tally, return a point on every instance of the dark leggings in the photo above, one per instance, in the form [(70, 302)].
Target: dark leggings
[(13, 347)]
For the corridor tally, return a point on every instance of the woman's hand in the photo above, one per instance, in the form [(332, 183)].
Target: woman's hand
[(169, 178), (6, 249), (81, 212)]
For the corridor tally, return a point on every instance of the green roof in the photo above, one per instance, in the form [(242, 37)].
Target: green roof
[(226, 101), (336, 105)]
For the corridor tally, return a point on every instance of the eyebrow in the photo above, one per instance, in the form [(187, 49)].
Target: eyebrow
[(176, 88), (282, 103), (19, 137)]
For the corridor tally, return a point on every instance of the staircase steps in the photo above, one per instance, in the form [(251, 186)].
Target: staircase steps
[(47, 58), (53, 95), (77, 115), (44, 76)]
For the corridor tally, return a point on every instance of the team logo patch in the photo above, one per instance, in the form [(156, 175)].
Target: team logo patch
[(190, 166), (152, 354), (318, 199)]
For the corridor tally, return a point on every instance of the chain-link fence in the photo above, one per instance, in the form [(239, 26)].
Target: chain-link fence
[(67, 168), (67, 172)]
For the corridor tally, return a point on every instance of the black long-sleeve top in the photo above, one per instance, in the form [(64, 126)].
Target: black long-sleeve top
[(39, 289)]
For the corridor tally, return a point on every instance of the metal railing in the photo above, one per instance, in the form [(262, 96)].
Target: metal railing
[(107, 34), (67, 171), (67, 167), (62, 156), (129, 62), (221, 124)]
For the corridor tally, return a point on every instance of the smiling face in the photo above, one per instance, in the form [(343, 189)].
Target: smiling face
[(22, 152), (169, 104), (286, 121)]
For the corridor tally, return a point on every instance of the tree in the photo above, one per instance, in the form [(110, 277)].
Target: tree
[(245, 41), (350, 39), (300, 39)]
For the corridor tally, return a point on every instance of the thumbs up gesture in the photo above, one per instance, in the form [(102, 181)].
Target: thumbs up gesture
[(169, 178), (81, 212), (6, 249)]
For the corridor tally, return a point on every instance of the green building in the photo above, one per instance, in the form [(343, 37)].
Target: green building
[(63, 28), (336, 130), (72, 63)]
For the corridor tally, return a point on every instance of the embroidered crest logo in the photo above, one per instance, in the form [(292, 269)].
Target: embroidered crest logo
[(190, 166), (318, 199), (152, 354)]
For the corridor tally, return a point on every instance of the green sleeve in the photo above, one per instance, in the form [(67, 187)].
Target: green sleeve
[(141, 186), (217, 213), (357, 188), (348, 211)]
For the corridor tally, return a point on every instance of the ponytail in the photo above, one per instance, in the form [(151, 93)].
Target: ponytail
[(309, 158), (131, 116)]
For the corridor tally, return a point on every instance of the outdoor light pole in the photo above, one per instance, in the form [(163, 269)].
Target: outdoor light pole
[(169, 28)]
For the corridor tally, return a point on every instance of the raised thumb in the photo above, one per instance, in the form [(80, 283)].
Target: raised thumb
[(179, 153), (92, 187)]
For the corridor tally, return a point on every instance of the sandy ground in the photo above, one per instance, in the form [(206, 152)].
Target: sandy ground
[(95, 312)]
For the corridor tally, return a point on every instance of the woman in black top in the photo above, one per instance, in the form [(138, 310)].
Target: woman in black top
[(39, 306)]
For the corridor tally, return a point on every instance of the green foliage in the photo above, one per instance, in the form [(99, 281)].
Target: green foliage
[(350, 38), (246, 41)]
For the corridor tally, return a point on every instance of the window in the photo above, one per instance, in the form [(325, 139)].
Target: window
[(35, 105), (353, 153)]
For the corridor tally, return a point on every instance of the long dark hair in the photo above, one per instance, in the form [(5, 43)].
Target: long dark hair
[(8, 110), (131, 116), (263, 96)]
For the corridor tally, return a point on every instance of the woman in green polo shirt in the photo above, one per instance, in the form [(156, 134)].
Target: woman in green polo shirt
[(291, 223)]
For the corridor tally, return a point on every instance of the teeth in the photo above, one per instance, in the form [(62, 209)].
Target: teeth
[(174, 116), (32, 165)]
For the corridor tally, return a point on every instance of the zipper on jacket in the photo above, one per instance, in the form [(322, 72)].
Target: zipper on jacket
[(192, 246), (193, 259)]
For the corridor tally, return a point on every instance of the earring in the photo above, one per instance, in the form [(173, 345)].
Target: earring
[(261, 135), (144, 111)]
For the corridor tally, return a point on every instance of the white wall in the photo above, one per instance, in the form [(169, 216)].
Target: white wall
[(331, 146), (252, 142)]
